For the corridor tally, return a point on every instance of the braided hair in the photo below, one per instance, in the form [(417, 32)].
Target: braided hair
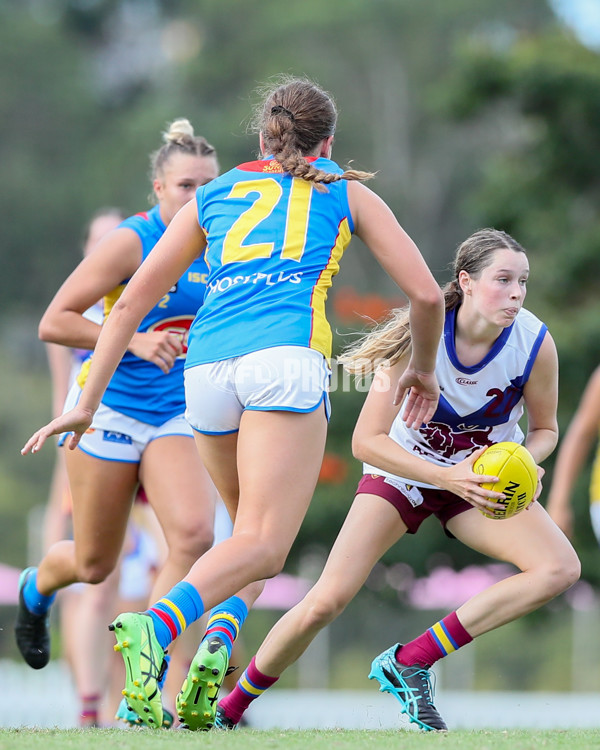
[(294, 117)]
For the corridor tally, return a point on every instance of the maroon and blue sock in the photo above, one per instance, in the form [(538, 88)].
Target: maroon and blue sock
[(441, 639), (173, 613), (226, 620), (251, 685), (90, 705)]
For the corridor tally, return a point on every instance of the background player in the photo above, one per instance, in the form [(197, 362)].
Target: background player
[(139, 433), (573, 452), (80, 603)]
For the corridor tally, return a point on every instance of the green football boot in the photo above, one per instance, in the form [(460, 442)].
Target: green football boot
[(196, 703), (144, 665)]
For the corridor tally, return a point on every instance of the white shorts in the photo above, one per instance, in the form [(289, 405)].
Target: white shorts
[(281, 378), (116, 437)]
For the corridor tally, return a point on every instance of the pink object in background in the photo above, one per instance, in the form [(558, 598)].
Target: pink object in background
[(9, 584), (283, 592), (445, 588)]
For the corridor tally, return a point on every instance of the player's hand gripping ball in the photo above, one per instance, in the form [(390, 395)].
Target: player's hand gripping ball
[(516, 470)]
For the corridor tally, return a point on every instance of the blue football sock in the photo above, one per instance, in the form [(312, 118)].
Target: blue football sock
[(35, 602), (173, 613), (226, 620)]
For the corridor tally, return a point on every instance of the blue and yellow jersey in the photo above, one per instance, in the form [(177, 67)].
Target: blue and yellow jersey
[(139, 388), (274, 243)]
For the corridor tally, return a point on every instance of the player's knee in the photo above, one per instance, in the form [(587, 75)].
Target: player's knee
[(190, 541), (269, 561), (561, 573), (94, 571), (323, 610), (569, 572), (200, 541), (271, 565)]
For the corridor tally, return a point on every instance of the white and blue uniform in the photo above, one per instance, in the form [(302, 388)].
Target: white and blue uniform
[(274, 243), (141, 402), (479, 405)]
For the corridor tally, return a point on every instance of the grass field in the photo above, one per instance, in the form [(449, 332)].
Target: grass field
[(252, 739)]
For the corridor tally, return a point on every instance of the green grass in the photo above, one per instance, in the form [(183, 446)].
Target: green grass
[(249, 739)]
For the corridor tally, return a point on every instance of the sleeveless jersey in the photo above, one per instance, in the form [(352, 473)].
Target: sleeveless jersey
[(139, 388), (479, 405), (274, 243)]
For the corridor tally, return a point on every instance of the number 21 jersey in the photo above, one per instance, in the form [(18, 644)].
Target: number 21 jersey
[(274, 243)]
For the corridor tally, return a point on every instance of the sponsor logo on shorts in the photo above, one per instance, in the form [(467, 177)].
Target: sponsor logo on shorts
[(117, 437), (411, 493)]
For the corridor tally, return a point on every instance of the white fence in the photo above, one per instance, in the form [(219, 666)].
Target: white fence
[(45, 698)]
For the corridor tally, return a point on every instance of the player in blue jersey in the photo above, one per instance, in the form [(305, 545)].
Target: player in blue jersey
[(494, 359), (272, 232), (139, 433)]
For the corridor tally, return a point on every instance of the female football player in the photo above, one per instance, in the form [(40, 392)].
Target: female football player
[(494, 359), (273, 232), (139, 432)]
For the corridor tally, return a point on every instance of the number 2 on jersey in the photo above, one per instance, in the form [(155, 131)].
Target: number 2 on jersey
[(269, 194)]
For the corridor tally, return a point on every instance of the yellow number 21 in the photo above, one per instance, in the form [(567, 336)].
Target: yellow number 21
[(269, 194)]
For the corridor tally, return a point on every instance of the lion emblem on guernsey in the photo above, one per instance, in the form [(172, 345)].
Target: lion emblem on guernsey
[(447, 441)]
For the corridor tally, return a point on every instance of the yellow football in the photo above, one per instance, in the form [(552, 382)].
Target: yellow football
[(516, 470)]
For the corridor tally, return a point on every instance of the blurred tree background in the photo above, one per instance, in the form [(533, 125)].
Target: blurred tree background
[(473, 113)]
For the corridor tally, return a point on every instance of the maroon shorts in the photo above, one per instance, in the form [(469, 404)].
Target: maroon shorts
[(414, 504)]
